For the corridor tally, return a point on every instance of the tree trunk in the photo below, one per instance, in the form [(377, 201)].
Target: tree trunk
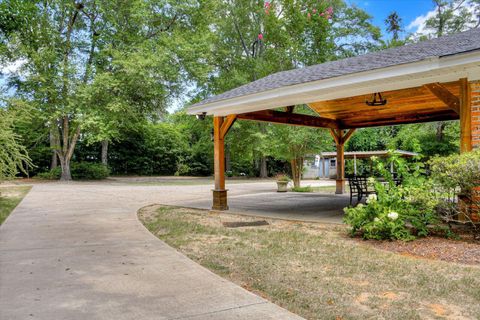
[(66, 173), (297, 165), (263, 167), (105, 152), (65, 152), (440, 130), (53, 146)]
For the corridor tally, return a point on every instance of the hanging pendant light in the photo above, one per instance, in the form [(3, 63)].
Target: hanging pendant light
[(377, 100)]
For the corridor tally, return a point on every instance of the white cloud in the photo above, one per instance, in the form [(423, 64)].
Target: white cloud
[(418, 25)]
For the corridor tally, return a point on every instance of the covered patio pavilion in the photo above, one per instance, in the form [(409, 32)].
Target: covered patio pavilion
[(434, 80)]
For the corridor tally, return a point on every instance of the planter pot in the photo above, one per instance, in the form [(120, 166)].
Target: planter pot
[(282, 186)]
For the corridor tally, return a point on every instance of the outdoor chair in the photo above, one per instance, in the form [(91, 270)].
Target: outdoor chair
[(361, 188), (354, 189)]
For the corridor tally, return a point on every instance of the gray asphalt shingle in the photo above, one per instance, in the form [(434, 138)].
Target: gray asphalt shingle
[(440, 47)]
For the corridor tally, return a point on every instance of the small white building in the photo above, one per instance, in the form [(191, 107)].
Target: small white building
[(324, 165)]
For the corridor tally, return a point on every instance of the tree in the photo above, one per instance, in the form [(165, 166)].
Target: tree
[(394, 25), (90, 64), (452, 16), (254, 39), (13, 156), (293, 144)]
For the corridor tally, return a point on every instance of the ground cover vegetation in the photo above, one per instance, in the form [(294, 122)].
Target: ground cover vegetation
[(316, 271), (10, 197), (91, 81)]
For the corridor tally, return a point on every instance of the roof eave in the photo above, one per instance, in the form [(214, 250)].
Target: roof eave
[(434, 69)]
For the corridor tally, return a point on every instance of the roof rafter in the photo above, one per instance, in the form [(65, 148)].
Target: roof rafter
[(295, 119), (442, 93)]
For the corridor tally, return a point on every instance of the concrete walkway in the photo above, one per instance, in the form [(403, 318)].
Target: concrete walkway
[(77, 251)]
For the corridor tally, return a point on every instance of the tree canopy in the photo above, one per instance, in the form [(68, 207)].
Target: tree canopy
[(96, 73)]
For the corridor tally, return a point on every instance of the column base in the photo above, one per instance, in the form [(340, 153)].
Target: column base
[(340, 186), (220, 200)]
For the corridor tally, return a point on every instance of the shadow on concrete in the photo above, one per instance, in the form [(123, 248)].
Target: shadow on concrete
[(317, 207)]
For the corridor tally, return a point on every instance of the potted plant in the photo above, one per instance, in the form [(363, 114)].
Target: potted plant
[(282, 182)]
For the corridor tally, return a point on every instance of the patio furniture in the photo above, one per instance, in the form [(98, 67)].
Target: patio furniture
[(360, 188), (363, 187), (354, 189)]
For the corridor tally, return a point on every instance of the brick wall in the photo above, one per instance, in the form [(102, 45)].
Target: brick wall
[(475, 114)]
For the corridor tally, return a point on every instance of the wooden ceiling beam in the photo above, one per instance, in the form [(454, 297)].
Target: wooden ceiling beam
[(228, 122), (442, 93), (294, 119), (391, 121)]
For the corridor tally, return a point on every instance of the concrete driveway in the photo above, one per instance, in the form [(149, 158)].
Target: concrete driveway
[(77, 251)]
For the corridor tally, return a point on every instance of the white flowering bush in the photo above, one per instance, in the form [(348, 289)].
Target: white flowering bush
[(396, 212)]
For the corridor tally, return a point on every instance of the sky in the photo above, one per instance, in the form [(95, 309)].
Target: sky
[(412, 12)]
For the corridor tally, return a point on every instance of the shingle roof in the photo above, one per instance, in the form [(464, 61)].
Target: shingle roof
[(440, 47)]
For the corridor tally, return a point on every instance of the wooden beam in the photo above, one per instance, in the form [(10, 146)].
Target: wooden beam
[(335, 136), (465, 116), (391, 121), (227, 124), (339, 137), (294, 119), (348, 135), (340, 140), (442, 93)]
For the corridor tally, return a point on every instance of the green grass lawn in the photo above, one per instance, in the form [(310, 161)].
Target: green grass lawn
[(316, 271), (10, 197)]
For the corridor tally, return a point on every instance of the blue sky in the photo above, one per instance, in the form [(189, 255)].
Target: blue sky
[(408, 10)]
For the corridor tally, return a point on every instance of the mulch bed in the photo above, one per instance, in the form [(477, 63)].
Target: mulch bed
[(460, 251)]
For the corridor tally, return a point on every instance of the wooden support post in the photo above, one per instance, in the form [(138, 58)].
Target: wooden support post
[(340, 189), (465, 116), (340, 140), (219, 193), (221, 126)]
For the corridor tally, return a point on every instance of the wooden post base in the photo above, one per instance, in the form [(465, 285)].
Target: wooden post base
[(220, 200), (340, 186)]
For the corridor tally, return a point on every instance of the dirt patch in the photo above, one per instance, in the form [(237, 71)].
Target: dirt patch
[(459, 251), (442, 311)]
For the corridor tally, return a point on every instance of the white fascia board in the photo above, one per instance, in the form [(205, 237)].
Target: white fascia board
[(403, 76)]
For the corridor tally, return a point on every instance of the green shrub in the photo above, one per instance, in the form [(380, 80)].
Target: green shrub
[(80, 171), (458, 173), (182, 169), (302, 189), (89, 171), (396, 212), (455, 178), (53, 174)]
